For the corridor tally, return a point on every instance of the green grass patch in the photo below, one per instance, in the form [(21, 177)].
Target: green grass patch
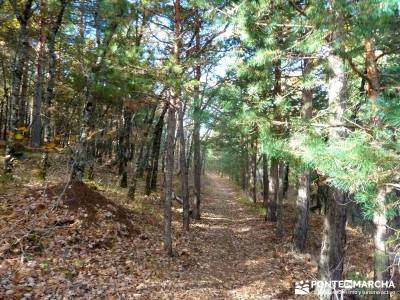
[(256, 208)]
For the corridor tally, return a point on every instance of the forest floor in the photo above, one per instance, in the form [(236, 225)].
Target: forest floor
[(95, 245)]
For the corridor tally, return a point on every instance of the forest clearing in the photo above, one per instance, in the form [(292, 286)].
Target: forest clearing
[(193, 149)]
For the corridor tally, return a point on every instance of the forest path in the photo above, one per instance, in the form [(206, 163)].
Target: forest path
[(237, 254)]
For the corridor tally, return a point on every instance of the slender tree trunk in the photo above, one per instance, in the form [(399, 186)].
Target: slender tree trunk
[(273, 191), (48, 121), (189, 146), (280, 196), (184, 168), (38, 94), (245, 179), (286, 181), (372, 74), (152, 173), (272, 205), (265, 179), (133, 181), (125, 147), (196, 129), (170, 145), (381, 255), (23, 116), (169, 173), (254, 170), (4, 103), (81, 150), (20, 60), (6, 118), (144, 152), (303, 193), (334, 230)]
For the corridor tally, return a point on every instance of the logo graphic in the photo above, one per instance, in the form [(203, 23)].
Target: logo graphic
[(302, 287)]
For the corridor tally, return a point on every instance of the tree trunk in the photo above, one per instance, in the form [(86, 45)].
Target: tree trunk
[(23, 116), (170, 145), (333, 240), (169, 173), (152, 173), (48, 122), (197, 114), (80, 156), (273, 191), (265, 179), (303, 206), (271, 213), (133, 181), (280, 195), (381, 256), (144, 152), (303, 193), (254, 170), (184, 168), (20, 61), (4, 103), (38, 94), (245, 162), (125, 147), (334, 230), (6, 117)]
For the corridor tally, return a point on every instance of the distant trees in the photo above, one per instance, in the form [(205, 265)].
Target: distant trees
[(309, 76)]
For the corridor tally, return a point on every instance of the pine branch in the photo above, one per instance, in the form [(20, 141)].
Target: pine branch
[(357, 71), (297, 8)]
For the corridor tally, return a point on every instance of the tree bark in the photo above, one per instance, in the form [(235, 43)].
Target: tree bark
[(273, 191), (303, 206), (144, 153), (169, 173), (280, 196), (196, 129), (381, 256), (245, 163), (48, 122), (23, 116), (20, 60), (271, 214), (133, 181), (334, 230), (152, 173), (170, 145), (265, 179), (125, 147), (4, 103), (303, 193), (184, 169), (38, 94), (254, 170)]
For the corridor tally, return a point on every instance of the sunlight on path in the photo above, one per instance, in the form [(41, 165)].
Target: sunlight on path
[(233, 258)]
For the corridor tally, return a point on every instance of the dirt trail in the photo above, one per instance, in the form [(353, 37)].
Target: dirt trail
[(237, 255)]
